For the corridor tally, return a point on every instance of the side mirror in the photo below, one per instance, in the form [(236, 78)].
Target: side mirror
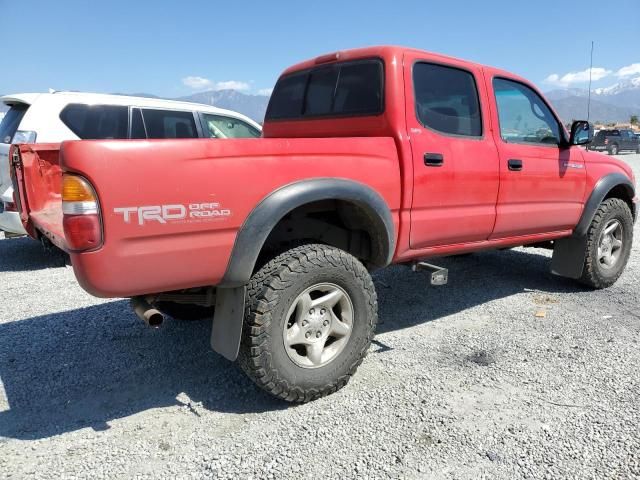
[(581, 133)]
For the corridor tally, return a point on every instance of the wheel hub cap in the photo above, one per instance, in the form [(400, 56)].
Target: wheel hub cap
[(318, 325), (610, 244)]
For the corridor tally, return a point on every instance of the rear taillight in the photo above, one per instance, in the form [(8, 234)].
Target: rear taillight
[(606, 141), (81, 219), (24, 136)]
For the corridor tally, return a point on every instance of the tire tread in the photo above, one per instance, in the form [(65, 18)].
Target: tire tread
[(262, 296)]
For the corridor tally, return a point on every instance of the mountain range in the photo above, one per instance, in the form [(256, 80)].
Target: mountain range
[(611, 104)]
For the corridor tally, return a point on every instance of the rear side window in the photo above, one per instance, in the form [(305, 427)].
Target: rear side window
[(137, 125), (96, 122), (218, 126), (447, 99), (11, 122), (341, 89), (169, 124)]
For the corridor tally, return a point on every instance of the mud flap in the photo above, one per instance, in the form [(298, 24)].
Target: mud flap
[(568, 256), (227, 321)]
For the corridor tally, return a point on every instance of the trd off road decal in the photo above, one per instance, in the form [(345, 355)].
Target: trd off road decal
[(175, 213)]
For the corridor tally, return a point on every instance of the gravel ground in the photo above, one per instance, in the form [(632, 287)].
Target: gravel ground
[(507, 372)]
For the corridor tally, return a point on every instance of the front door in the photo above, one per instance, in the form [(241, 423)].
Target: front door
[(455, 161), (542, 181)]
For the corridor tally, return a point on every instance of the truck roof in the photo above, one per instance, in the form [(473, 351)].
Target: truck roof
[(386, 52)]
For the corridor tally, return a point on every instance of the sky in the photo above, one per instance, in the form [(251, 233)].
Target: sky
[(175, 48)]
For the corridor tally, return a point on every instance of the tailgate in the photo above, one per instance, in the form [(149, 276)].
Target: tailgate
[(37, 183)]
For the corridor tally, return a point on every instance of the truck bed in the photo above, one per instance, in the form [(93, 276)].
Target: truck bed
[(143, 255)]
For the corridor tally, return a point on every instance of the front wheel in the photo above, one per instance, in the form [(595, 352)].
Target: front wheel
[(609, 241), (310, 316)]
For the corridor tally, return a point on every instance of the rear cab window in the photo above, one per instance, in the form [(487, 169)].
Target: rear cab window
[(11, 122), (344, 89)]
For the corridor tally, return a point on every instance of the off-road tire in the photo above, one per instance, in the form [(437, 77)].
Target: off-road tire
[(593, 274), (271, 292)]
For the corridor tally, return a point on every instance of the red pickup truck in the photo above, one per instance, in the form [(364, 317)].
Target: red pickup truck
[(368, 157)]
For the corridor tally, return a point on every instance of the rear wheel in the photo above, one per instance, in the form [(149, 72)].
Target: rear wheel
[(609, 241), (613, 149), (310, 317)]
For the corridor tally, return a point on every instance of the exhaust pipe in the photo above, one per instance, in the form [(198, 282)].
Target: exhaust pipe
[(146, 312)]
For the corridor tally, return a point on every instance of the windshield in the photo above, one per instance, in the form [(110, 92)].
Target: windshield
[(11, 121)]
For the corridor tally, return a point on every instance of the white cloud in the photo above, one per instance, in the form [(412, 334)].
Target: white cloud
[(201, 83), (265, 91), (571, 78), (197, 83), (629, 70), (232, 85)]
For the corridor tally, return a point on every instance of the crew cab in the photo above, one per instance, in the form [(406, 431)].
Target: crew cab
[(615, 141), (370, 157), (58, 116)]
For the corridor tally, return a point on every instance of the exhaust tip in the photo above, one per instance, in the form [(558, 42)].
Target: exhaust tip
[(154, 318), (146, 312)]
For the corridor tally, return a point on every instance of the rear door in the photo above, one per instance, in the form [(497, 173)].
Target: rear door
[(542, 182), (455, 161)]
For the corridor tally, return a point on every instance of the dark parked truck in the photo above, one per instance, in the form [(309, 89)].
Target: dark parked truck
[(615, 141), (368, 157)]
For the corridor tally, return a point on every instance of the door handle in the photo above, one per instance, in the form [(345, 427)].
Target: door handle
[(515, 165), (433, 159)]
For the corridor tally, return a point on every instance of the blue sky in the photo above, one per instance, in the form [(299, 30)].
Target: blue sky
[(172, 48)]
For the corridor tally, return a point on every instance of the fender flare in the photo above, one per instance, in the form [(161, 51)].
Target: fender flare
[(600, 191), (266, 215), (569, 253)]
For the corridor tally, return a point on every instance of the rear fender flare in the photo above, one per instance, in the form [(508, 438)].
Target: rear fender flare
[(266, 215)]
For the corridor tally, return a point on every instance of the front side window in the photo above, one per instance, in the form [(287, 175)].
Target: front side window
[(169, 124), (96, 122), (11, 122), (337, 90), (218, 126), (447, 100), (524, 116)]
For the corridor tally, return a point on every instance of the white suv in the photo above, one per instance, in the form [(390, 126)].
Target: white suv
[(58, 116)]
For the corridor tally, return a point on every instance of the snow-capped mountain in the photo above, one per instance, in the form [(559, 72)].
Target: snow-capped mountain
[(620, 87), (615, 103)]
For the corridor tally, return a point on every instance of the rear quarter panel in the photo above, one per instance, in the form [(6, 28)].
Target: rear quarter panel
[(235, 174)]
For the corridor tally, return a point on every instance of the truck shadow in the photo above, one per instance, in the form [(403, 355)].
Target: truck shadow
[(406, 298), (23, 254), (87, 367)]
